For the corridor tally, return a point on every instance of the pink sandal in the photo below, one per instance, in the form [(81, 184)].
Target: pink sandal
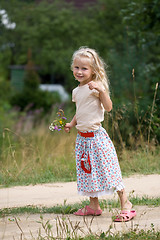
[(125, 216), (88, 211)]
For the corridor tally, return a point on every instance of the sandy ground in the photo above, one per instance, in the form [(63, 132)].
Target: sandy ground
[(52, 194)]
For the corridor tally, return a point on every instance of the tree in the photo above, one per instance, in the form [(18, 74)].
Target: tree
[(143, 23), (53, 32)]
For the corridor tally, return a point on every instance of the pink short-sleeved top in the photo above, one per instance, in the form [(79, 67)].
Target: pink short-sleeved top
[(89, 109)]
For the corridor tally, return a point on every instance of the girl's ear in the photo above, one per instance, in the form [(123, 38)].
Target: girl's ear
[(93, 74)]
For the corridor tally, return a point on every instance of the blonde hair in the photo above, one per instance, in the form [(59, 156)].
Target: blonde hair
[(97, 64)]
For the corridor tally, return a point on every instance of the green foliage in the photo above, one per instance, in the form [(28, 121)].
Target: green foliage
[(5, 91), (7, 116), (146, 38), (32, 97), (70, 208), (125, 33), (30, 100), (53, 31), (31, 81)]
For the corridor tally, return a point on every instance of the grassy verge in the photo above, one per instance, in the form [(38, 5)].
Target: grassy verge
[(65, 228), (136, 235), (141, 161), (70, 208), (70, 230), (44, 156), (40, 157)]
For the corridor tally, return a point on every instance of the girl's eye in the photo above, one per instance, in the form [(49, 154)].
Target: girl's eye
[(84, 68), (76, 67)]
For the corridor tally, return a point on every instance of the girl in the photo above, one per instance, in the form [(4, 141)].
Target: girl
[(98, 171)]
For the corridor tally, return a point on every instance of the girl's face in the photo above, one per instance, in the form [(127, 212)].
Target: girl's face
[(82, 70)]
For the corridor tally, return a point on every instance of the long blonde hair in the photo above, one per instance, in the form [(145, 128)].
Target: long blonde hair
[(97, 64)]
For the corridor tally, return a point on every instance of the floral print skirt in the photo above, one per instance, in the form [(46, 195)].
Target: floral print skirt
[(98, 171)]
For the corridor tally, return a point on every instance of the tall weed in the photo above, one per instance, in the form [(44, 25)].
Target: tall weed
[(30, 153), (38, 157)]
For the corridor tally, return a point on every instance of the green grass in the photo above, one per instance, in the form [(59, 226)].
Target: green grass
[(130, 235), (70, 208), (64, 226), (69, 230), (141, 161), (40, 157)]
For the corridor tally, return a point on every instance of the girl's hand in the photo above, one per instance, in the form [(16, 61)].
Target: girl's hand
[(94, 85), (104, 97), (67, 127)]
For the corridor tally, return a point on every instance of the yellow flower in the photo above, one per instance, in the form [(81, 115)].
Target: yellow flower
[(60, 121)]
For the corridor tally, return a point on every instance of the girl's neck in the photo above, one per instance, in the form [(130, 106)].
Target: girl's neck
[(84, 84)]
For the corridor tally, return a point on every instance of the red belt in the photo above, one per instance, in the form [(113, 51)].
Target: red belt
[(86, 134)]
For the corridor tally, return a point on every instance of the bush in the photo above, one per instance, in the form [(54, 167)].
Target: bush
[(32, 100), (32, 97), (5, 92)]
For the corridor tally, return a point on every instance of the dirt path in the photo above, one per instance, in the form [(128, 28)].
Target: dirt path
[(57, 193)]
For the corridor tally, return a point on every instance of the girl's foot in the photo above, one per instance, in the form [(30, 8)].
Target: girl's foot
[(86, 211), (95, 207), (91, 207), (125, 216), (127, 205)]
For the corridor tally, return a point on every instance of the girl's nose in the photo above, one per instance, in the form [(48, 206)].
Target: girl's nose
[(79, 71)]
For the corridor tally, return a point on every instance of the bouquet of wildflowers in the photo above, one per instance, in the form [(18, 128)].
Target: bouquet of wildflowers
[(59, 123)]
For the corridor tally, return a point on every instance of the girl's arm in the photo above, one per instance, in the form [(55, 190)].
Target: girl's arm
[(104, 98), (106, 101), (68, 126)]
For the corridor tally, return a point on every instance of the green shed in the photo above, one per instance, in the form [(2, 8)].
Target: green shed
[(17, 76)]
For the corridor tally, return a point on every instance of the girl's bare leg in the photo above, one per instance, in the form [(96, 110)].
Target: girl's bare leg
[(125, 203), (94, 203)]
